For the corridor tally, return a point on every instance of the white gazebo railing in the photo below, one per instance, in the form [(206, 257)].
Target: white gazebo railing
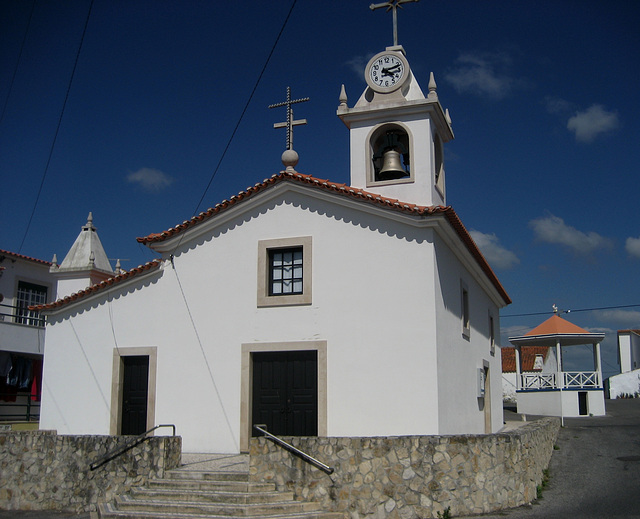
[(538, 381), (581, 379), (570, 379)]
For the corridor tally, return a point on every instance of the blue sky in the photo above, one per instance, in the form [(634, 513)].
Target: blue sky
[(543, 96)]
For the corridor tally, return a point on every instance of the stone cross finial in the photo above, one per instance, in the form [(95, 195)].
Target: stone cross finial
[(392, 5)]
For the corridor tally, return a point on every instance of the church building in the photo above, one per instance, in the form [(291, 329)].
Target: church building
[(313, 307)]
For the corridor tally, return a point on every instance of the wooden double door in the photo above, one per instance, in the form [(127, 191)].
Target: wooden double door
[(285, 392)]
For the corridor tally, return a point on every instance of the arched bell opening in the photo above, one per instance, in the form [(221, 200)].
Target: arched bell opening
[(390, 154)]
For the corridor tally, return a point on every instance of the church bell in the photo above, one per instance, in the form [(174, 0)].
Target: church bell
[(391, 166)]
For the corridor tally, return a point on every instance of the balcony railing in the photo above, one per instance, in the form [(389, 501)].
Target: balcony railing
[(570, 380), (582, 379), (20, 315), (19, 408), (538, 381)]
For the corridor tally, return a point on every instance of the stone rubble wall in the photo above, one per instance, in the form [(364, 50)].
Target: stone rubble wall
[(40, 470), (412, 476)]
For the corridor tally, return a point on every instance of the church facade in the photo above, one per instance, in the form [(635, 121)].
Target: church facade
[(311, 307)]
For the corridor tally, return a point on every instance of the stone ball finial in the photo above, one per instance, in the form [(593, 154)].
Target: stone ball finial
[(290, 159)]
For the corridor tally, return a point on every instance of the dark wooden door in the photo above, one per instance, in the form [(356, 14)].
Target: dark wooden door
[(582, 403), (285, 392), (134, 394)]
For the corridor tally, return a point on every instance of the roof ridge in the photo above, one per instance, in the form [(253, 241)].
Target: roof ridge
[(341, 188), (337, 187), (22, 256), (98, 286)]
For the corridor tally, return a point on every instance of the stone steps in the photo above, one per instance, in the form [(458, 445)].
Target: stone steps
[(201, 494)]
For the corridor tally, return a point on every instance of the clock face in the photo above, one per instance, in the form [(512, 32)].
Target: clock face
[(386, 72)]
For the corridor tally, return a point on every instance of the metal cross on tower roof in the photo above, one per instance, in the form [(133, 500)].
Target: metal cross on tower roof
[(290, 123), (392, 5)]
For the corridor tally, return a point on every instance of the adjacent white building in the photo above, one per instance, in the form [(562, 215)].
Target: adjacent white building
[(627, 383), (313, 307), (24, 281)]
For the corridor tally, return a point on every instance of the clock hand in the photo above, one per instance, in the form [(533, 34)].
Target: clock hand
[(390, 70)]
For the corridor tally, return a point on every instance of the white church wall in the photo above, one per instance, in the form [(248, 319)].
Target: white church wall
[(363, 278), (460, 358)]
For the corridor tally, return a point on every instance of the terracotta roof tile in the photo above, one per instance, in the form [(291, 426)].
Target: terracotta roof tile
[(28, 258), (556, 325), (528, 359), (339, 188), (107, 283), (342, 189), (347, 191)]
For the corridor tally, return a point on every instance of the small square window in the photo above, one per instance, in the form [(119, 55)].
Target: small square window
[(284, 272)]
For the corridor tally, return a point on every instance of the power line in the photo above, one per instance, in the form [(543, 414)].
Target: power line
[(244, 110), (55, 136), (574, 311), (15, 70)]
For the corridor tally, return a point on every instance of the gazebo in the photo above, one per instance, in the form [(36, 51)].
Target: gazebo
[(561, 393)]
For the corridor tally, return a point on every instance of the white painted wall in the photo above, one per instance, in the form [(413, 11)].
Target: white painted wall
[(624, 384), (560, 403), (373, 286), (460, 358), (628, 351)]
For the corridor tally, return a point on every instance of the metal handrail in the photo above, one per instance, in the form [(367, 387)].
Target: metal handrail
[(263, 429), (118, 451)]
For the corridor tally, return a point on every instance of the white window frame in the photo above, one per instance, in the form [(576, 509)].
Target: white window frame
[(263, 297)]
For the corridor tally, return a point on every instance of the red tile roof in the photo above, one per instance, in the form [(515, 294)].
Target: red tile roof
[(346, 191), (556, 325), (20, 256), (528, 357), (99, 286), (340, 189)]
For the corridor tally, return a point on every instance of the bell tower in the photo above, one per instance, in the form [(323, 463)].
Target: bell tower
[(396, 133)]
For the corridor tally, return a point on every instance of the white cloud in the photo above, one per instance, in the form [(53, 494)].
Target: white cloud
[(493, 251), (593, 121), (481, 74), (632, 246), (552, 229), (358, 64), (557, 105), (622, 317), (150, 179)]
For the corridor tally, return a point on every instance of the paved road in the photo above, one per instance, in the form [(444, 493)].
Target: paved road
[(594, 474)]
